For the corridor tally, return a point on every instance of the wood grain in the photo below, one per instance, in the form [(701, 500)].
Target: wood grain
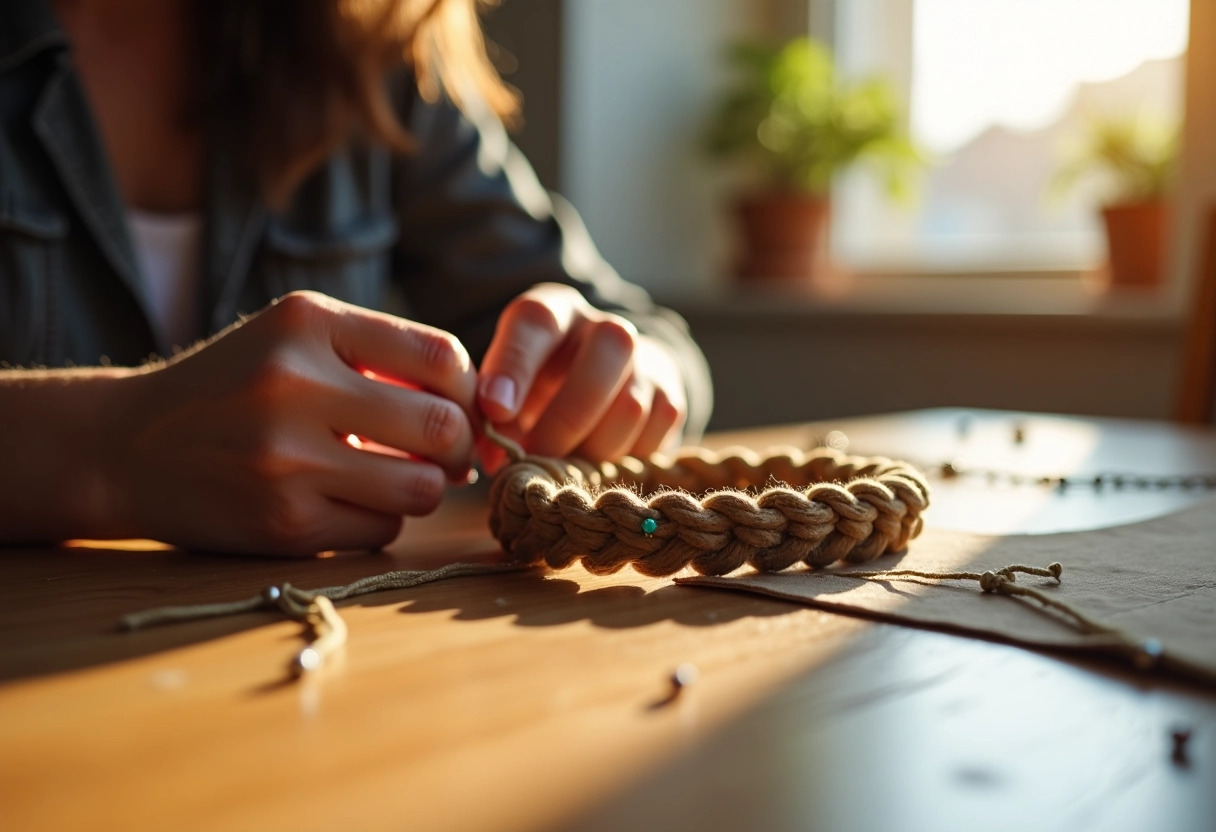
[(532, 701)]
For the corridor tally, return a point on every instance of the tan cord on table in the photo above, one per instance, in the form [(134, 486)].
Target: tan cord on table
[(312, 606), (817, 507), (1143, 653)]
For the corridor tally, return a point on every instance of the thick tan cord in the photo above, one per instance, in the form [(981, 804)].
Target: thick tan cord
[(816, 508)]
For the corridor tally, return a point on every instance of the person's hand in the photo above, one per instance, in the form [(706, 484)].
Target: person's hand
[(563, 377), (242, 444)]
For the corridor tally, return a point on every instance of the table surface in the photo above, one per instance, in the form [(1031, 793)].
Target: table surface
[(524, 701)]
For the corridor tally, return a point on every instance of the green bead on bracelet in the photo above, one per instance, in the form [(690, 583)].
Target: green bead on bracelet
[(649, 525)]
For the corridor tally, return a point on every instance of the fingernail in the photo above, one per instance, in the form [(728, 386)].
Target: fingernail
[(501, 391)]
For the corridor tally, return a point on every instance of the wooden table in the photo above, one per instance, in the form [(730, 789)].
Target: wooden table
[(522, 701)]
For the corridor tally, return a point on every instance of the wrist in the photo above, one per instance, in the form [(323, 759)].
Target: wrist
[(94, 454), (62, 446), (103, 492)]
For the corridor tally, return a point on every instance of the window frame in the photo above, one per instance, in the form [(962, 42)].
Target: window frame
[(1190, 200)]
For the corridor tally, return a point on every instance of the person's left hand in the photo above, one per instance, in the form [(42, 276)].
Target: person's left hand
[(563, 377)]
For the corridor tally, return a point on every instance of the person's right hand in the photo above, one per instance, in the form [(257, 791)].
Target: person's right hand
[(241, 444)]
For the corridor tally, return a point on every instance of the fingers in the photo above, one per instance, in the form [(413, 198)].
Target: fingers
[(530, 330), (384, 484), (665, 419), (354, 527), (395, 348), (393, 357), (349, 499), (622, 425), (417, 422), (294, 521), (597, 373)]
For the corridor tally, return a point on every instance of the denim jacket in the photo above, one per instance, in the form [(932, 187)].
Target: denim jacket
[(450, 232)]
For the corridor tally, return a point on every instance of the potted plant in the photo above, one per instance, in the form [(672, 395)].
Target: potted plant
[(1135, 159), (793, 126)]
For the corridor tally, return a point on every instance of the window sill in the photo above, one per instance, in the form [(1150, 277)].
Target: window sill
[(1070, 298)]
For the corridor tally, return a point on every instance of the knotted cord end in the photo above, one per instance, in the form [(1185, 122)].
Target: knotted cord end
[(993, 581)]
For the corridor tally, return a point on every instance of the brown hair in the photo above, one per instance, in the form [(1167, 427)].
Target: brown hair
[(296, 79)]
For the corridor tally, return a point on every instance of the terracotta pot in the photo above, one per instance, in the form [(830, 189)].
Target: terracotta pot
[(784, 236), (1136, 237)]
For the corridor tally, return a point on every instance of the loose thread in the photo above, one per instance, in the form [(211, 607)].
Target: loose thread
[(312, 607), (515, 452), (1143, 653)]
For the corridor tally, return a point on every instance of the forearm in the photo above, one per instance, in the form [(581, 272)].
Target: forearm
[(59, 453)]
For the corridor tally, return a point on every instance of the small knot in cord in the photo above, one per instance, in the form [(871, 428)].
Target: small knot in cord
[(1056, 570), (994, 581)]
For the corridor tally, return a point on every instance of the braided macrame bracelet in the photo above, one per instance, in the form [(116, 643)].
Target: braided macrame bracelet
[(816, 508)]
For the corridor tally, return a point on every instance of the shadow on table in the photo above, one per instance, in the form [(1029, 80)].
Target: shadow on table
[(59, 607), (536, 600)]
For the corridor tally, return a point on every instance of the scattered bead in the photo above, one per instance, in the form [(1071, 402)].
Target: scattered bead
[(683, 676)]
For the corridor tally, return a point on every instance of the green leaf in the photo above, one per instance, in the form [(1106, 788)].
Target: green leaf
[(788, 116), (1135, 156)]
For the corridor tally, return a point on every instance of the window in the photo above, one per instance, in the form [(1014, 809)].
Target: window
[(996, 91)]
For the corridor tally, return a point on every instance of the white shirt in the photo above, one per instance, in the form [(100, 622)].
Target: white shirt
[(168, 248)]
